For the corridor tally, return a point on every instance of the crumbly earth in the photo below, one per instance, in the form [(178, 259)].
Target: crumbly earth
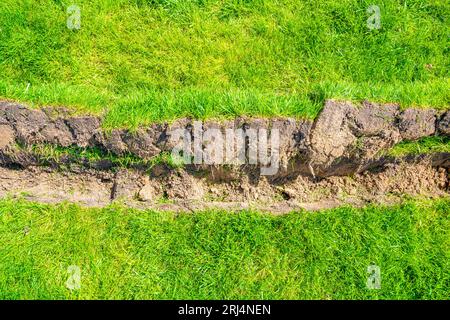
[(336, 159), (181, 191), (344, 139)]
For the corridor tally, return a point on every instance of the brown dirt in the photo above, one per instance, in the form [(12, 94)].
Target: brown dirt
[(180, 191), (344, 139), (331, 161)]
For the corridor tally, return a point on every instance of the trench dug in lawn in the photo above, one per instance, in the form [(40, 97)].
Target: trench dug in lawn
[(339, 158)]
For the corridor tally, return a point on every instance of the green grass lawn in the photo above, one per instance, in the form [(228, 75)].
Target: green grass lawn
[(422, 146), (151, 60), (426, 145), (131, 254)]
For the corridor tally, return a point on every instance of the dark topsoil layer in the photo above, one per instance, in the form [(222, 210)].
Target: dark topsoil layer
[(336, 156)]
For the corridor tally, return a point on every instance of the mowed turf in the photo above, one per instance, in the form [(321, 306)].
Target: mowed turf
[(141, 61), (427, 145), (131, 254)]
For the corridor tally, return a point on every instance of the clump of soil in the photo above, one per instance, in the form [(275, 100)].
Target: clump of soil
[(336, 159), (180, 191), (344, 139)]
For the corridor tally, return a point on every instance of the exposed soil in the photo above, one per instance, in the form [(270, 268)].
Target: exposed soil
[(336, 159), (179, 191)]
